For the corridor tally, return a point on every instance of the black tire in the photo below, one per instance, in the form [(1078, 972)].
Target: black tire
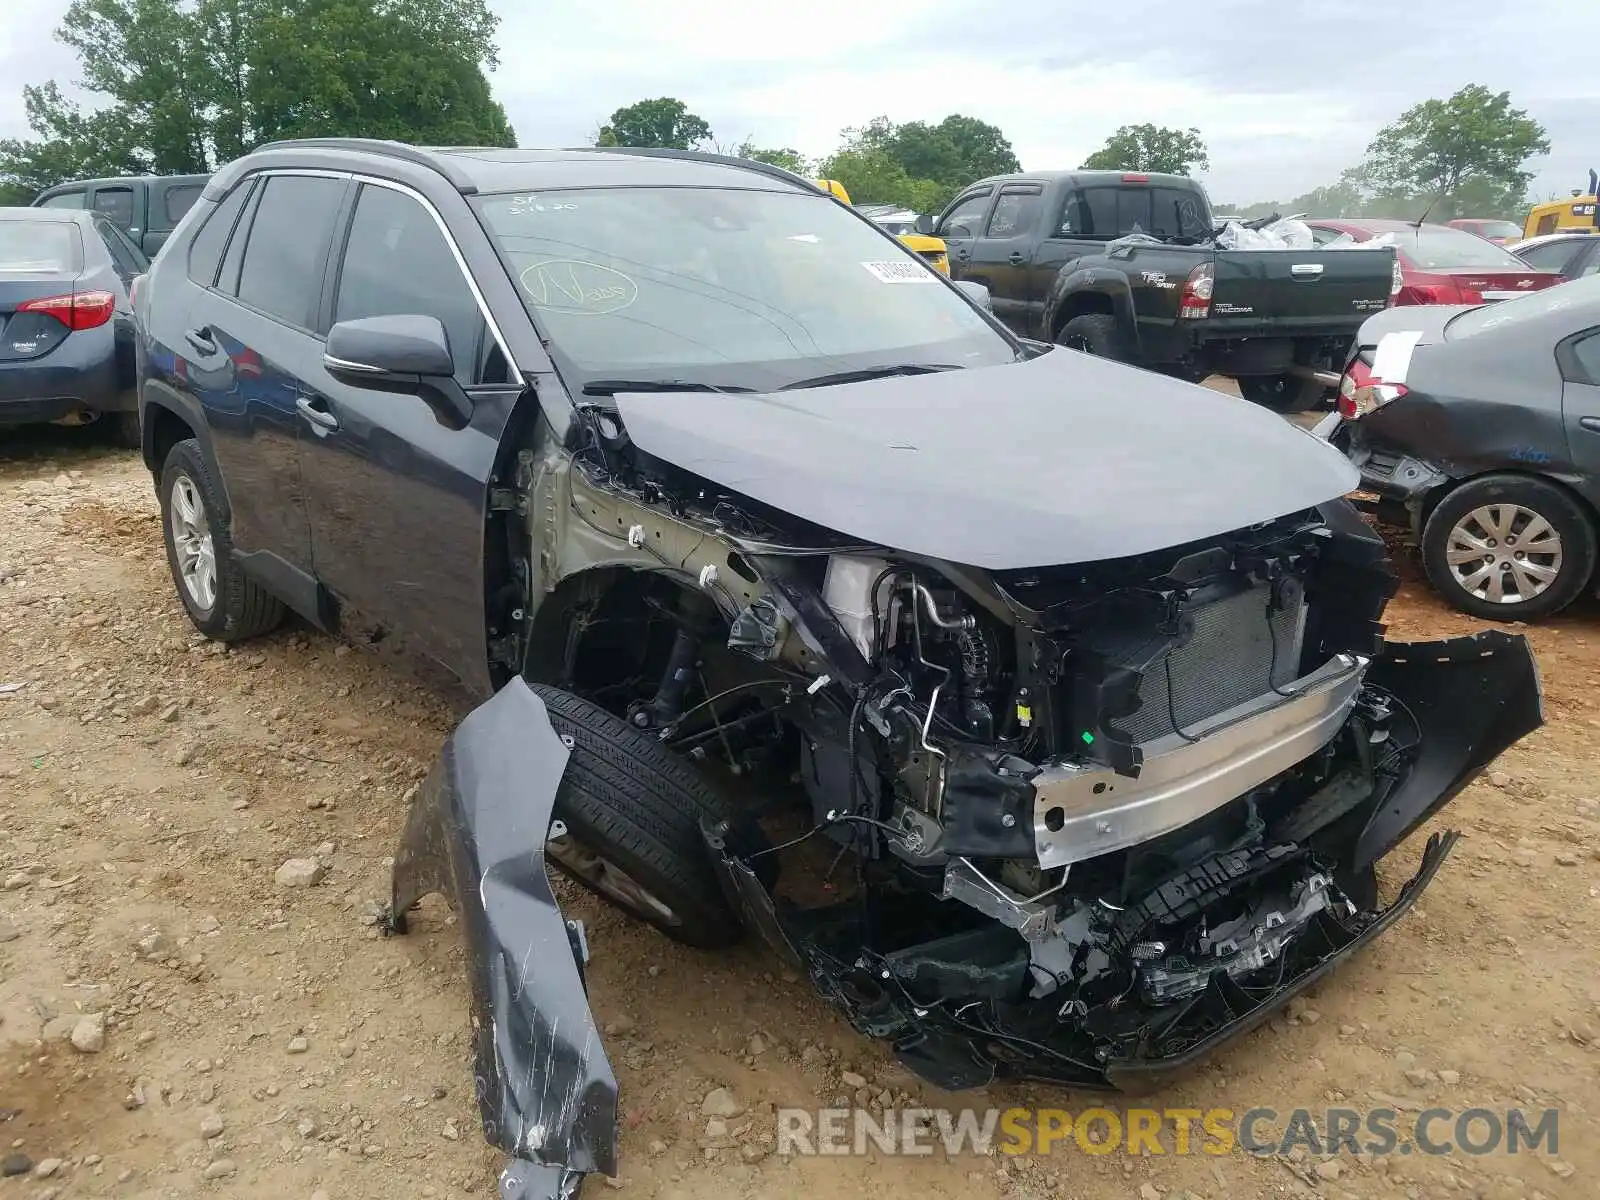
[(127, 431), (1536, 497), (240, 608), (638, 806), (1100, 334), (1283, 393)]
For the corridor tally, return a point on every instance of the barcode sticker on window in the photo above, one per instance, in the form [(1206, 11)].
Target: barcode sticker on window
[(899, 272)]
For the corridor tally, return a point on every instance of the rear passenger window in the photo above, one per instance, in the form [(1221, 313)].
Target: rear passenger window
[(288, 246), (179, 199), (116, 204), (1014, 214), (130, 261), (396, 262), (205, 251)]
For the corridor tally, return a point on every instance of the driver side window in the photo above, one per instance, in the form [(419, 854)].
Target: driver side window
[(966, 218), (396, 262)]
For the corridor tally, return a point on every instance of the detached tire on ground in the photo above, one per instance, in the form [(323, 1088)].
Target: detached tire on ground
[(1100, 334), (631, 810), (1283, 393), (1509, 547), (221, 600)]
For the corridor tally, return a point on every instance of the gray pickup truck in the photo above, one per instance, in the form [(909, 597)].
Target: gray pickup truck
[(1123, 265), (145, 207)]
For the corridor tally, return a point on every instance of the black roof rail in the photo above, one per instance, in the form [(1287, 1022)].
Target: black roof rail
[(726, 160), (400, 150)]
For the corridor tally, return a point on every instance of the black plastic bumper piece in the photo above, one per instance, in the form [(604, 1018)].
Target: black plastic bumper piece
[(476, 833)]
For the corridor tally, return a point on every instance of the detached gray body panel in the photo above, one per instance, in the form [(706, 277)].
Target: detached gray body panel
[(476, 834), (1062, 459)]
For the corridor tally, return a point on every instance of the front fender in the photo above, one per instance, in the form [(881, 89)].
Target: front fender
[(476, 833)]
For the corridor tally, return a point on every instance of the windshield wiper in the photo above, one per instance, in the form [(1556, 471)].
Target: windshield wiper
[(610, 387), (870, 373)]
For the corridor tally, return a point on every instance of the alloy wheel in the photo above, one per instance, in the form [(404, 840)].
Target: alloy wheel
[(192, 541)]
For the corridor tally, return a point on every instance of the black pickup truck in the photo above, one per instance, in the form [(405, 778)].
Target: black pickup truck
[(1062, 255)]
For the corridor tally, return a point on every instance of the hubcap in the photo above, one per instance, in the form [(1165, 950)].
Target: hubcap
[(610, 880), (191, 539), (1504, 553)]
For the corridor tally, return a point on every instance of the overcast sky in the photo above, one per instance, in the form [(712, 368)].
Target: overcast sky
[(1285, 99)]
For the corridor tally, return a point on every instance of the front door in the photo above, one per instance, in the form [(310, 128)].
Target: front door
[(1002, 257), (396, 495), (960, 227)]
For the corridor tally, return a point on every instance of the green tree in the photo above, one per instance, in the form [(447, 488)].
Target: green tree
[(1469, 150), (665, 122), (186, 86), (955, 152), (786, 157), (1151, 148)]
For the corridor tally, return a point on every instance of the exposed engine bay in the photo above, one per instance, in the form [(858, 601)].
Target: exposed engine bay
[(1078, 822)]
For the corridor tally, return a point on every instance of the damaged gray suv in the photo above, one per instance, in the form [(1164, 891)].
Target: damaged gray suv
[(778, 563)]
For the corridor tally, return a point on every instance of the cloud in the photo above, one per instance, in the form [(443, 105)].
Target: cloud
[(1286, 97)]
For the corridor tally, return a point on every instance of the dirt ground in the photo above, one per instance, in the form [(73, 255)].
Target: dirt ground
[(176, 1023)]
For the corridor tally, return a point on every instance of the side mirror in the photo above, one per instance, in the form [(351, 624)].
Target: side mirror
[(924, 224), (399, 354), (976, 292), (375, 347)]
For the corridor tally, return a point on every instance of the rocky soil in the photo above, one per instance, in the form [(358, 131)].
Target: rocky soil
[(182, 1015)]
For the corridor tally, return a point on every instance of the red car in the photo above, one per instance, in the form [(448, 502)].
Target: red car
[(1501, 233), (1440, 265)]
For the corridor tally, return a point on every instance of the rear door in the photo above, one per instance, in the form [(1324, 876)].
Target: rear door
[(1579, 359), (249, 341), (396, 496), (960, 226), (1001, 258)]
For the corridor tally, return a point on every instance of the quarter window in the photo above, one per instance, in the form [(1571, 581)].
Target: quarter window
[(66, 200), (205, 251), (396, 262), (288, 246)]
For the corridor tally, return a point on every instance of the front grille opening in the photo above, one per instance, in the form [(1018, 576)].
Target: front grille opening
[(1241, 647)]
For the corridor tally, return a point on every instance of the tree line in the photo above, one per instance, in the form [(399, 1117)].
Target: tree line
[(183, 86)]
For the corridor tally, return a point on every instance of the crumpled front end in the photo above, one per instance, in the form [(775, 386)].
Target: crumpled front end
[(1235, 911), (476, 834)]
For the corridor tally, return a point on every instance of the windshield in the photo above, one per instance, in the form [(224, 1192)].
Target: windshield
[(728, 287), (1438, 248), (31, 246), (1580, 293)]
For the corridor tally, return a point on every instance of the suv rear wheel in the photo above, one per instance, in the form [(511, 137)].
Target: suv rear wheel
[(221, 600), (1509, 548)]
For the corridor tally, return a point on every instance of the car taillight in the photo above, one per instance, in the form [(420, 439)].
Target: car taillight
[(78, 310), (1398, 282), (133, 291), (1195, 301), (1444, 293), (1360, 393)]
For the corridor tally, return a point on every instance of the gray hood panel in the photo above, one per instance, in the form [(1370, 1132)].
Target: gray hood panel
[(1062, 459)]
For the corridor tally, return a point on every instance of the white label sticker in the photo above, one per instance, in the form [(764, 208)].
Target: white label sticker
[(899, 272), (1392, 358)]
